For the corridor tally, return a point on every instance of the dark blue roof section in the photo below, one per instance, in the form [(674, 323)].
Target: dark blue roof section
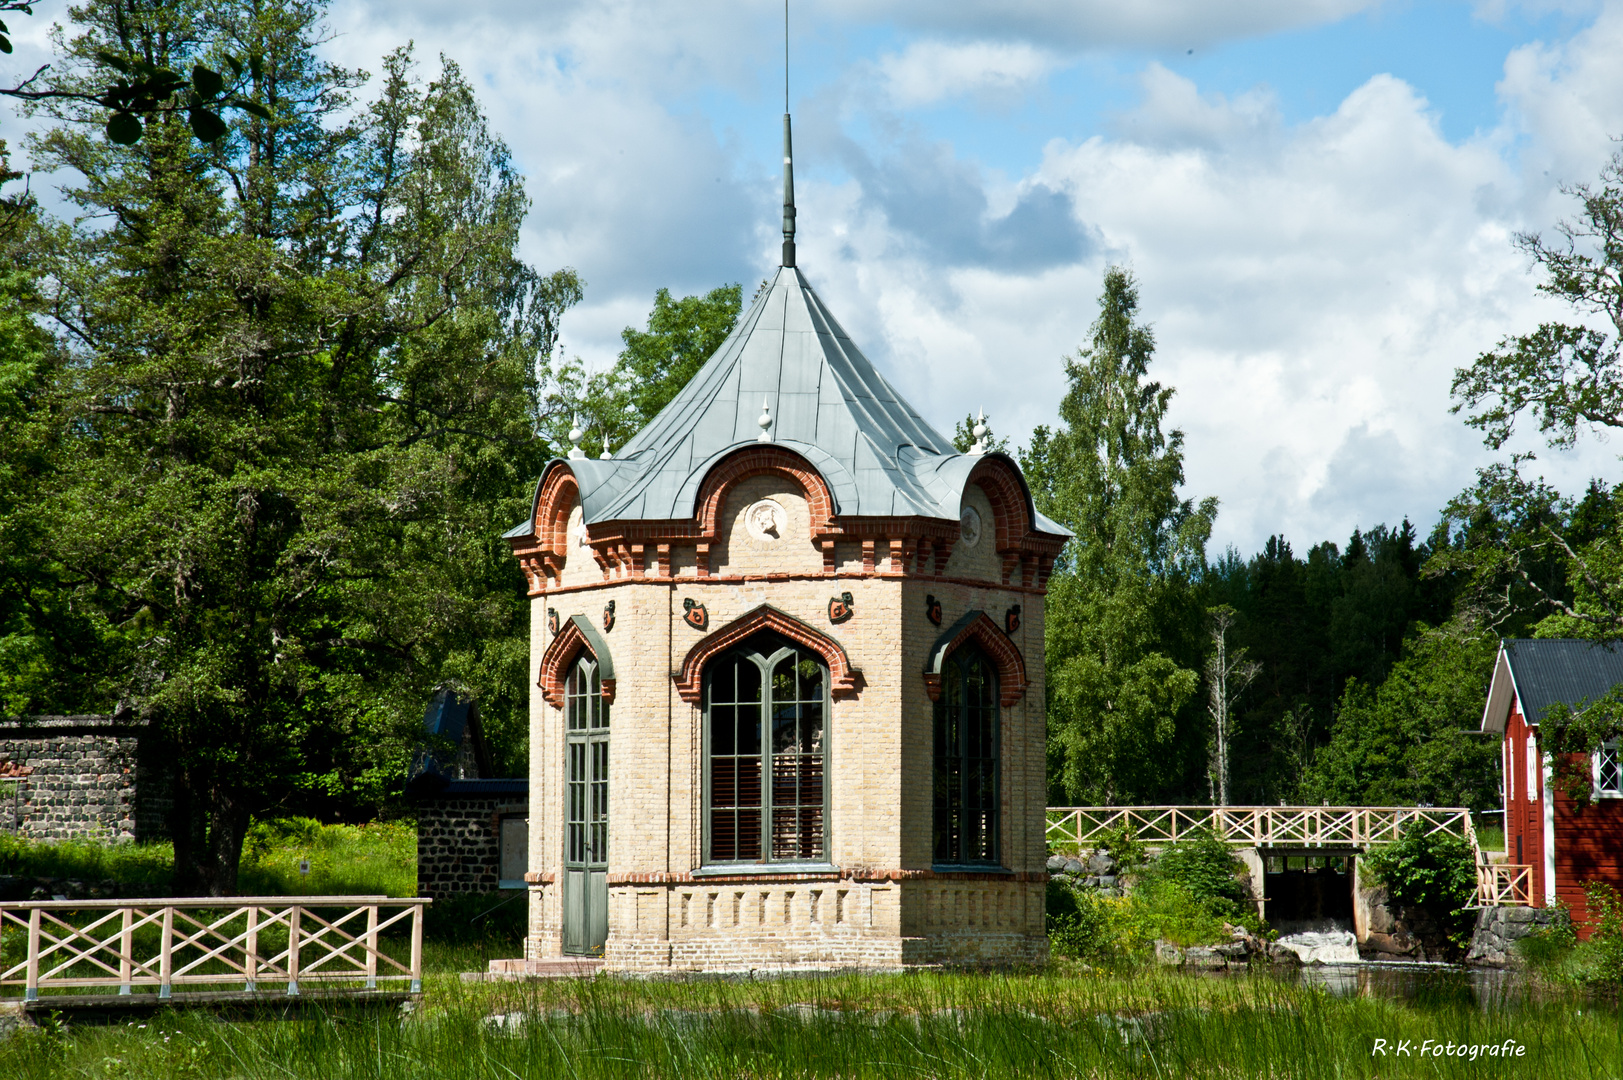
[(1561, 669), (484, 787), (446, 717)]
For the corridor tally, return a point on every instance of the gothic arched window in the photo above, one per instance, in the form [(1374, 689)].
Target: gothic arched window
[(966, 762), (766, 747)]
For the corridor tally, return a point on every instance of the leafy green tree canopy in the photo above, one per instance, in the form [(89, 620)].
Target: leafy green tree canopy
[(1537, 550), (1124, 627), (681, 335), (306, 374)]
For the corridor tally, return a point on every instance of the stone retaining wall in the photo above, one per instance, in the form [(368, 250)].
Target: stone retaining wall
[(91, 777), (1499, 928)]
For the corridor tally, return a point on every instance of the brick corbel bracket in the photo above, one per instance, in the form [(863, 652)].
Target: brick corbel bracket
[(844, 680), (577, 634), (978, 627)]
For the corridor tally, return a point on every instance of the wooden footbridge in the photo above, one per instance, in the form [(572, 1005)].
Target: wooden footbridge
[(133, 953), (1292, 828)]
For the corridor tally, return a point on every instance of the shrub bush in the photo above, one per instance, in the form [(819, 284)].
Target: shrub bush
[(1204, 868), (1431, 871), (1606, 933)]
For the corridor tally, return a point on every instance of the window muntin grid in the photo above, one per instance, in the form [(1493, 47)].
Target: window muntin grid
[(1609, 769), (783, 819), (586, 767), (966, 762)]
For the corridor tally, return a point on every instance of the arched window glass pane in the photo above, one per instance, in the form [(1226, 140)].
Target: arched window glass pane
[(766, 714), (735, 760), (965, 780)]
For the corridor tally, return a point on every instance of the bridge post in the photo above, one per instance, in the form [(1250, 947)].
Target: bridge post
[(417, 947), (293, 913), (31, 990), (372, 947), (250, 951), (126, 954), (166, 954)]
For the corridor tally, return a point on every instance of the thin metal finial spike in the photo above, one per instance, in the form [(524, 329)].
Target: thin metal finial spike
[(788, 155), (788, 196)]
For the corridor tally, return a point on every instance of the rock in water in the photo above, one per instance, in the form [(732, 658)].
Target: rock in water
[(1322, 946)]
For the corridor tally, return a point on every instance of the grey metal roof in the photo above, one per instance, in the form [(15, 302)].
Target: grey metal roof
[(1545, 671), (828, 404)]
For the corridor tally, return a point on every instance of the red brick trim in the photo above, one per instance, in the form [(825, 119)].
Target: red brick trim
[(744, 579), (844, 680), (860, 874), (998, 478), (763, 458), (570, 641), (978, 627), (538, 877)]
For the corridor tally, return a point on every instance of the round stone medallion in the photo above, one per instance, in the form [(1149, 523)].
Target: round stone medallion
[(969, 527), (766, 520)]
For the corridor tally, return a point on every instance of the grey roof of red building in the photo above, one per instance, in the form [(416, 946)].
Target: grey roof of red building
[(1543, 671)]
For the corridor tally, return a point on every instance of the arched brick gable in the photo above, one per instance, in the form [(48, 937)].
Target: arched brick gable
[(844, 680), (558, 497), (763, 458), (978, 627), (1001, 482), (574, 637)]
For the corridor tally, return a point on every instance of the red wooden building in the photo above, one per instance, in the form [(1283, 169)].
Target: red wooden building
[(1563, 845)]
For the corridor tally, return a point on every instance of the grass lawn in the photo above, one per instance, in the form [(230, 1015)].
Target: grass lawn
[(1065, 1022)]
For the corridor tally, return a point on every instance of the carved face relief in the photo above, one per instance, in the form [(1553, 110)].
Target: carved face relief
[(765, 521), (969, 527)]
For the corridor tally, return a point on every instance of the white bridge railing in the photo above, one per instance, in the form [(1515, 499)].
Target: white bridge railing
[(198, 941), (1253, 826)]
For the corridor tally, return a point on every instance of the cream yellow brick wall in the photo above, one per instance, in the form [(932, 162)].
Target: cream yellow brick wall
[(881, 759)]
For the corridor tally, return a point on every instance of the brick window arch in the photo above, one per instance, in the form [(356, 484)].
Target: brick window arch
[(575, 638)]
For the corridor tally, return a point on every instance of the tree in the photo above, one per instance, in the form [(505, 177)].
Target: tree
[(1228, 673), (656, 363), (1536, 549), (1411, 740), (306, 373), (963, 437), (1124, 627)]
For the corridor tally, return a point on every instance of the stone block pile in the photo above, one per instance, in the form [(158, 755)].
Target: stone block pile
[(1097, 870)]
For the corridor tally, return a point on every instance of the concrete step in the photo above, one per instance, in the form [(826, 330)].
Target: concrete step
[(557, 967)]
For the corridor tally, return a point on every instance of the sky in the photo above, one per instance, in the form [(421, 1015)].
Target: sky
[(1318, 199)]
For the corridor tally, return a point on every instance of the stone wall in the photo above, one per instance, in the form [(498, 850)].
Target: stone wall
[(91, 777), (459, 836), (1499, 928)]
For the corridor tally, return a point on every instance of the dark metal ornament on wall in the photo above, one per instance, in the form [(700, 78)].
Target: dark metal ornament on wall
[(839, 608), (694, 614), (552, 621), (608, 617), (1011, 620), (932, 608)]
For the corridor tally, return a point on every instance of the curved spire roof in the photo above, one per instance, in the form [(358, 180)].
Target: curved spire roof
[(828, 403)]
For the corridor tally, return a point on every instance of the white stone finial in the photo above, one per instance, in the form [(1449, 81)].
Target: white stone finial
[(979, 431), (606, 456), (575, 436), (765, 421)]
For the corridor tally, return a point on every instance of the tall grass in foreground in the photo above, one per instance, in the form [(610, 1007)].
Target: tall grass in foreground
[(927, 1025)]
